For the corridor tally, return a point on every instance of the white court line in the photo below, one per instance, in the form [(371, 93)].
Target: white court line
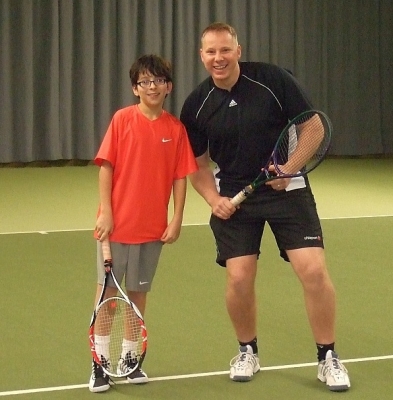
[(193, 224), (360, 217), (176, 377), (200, 375), (46, 232)]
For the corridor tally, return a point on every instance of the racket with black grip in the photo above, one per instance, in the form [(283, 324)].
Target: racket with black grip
[(300, 148)]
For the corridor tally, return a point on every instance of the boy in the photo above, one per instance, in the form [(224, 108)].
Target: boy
[(144, 156)]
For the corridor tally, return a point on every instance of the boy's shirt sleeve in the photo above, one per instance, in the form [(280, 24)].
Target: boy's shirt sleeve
[(108, 148)]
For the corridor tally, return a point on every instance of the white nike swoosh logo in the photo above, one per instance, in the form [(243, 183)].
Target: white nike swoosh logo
[(165, 140), (143, 283)]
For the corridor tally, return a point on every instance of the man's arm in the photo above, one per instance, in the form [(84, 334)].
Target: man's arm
[(204, 183), (310, 137)]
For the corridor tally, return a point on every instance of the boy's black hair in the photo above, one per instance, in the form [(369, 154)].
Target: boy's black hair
[(153, 64)]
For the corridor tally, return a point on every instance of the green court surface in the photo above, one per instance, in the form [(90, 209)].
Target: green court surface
[(48, 283)]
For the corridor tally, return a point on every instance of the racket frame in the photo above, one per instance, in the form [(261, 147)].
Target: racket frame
[(265, 175), (109, 271)]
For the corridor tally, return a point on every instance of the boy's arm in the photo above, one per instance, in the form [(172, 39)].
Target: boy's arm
[(104, 224), (172, 231)]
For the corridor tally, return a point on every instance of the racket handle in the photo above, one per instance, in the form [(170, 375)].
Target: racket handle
[(242, 195), (106, 250)]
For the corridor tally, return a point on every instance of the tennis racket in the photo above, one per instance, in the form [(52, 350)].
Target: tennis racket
[(300, 148), (117, 334)]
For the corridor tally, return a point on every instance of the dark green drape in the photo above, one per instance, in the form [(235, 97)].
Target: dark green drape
[(64, 64)]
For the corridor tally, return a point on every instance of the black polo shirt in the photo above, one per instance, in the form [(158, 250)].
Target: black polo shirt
[(240, 127)]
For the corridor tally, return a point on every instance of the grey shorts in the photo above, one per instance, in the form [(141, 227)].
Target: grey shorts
[(292, 217), (137, 262)]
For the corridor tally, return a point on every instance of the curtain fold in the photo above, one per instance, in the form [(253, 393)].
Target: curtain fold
[(65, 64)]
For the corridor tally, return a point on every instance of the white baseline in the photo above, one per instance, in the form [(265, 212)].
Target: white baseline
[(190, 224), (199, 375)]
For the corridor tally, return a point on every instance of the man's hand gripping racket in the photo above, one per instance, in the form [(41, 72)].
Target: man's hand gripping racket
[(300, 148), (117, 334)]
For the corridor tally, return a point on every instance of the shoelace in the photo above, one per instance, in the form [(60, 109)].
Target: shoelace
[(127, 364), (98, 372), (106, 363), (242, 359), (335, 366)]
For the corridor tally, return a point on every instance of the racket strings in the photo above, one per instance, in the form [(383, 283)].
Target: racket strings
[(301, 147), (123, 331), (304, 144)]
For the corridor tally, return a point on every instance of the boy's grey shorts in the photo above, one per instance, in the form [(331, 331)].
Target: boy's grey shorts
[(137, 262)]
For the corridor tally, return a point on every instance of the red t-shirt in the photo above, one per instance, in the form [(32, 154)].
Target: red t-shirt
[(146, 156)]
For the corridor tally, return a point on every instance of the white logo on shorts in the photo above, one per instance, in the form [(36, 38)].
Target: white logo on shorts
[(143, 283), (312, 237)]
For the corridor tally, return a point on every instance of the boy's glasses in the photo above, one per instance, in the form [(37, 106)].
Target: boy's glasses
[(146, 84)]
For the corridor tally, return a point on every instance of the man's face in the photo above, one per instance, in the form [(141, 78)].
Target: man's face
[(220, 54)]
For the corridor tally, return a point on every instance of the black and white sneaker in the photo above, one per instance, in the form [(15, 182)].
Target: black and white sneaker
[(128, 363), (99, 380)]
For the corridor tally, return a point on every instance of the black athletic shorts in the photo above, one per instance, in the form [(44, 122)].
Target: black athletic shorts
[(292, 217)]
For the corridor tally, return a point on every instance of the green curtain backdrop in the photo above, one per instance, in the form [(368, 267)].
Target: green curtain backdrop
[(64, 64)]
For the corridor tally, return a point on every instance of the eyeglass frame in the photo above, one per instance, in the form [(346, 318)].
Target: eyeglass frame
[(164, 81)]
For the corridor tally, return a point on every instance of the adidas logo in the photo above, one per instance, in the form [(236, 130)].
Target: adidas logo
[(232, 103)]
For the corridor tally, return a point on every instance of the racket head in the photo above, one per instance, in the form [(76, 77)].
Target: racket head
[(304, 141), (115, 320), (301, 147)]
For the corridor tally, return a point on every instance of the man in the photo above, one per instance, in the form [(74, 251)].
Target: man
[(234, 118)]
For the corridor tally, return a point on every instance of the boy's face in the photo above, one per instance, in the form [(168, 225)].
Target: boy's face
[(152, 94)]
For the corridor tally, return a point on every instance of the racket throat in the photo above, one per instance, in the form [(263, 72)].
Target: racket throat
[(248, 190)]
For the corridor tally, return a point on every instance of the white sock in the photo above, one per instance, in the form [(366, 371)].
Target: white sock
[(129, 345), (102, 345)]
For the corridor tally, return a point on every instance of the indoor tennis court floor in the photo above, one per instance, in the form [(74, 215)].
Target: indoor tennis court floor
[(48, 284)]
